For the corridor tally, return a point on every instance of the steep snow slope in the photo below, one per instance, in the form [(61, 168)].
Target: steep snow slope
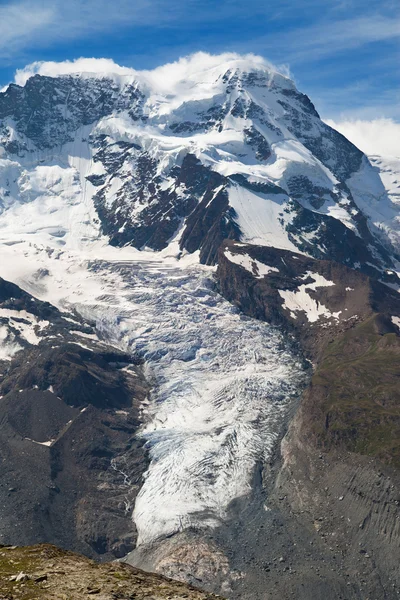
[(379, 196), (389, 172), (190, 147)]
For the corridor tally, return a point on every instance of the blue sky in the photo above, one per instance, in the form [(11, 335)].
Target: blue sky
[(345, 54)]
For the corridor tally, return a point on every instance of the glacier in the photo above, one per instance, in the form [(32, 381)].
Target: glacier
[(222, 383)]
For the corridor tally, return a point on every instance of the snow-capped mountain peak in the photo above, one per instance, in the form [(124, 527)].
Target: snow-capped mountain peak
[(210, 147)]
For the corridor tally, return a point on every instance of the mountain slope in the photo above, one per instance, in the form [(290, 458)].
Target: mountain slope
[(69, 410), (45, 572), (118, 194)]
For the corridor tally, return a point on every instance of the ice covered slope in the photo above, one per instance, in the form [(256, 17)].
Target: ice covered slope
[(224, 384), (212, 146), (388, 168)]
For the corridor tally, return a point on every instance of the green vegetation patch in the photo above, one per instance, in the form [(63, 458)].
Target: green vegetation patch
[(354, 397)]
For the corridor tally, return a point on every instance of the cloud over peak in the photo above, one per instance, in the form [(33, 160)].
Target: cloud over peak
[(80, 65), (163, 78), (378, 136)]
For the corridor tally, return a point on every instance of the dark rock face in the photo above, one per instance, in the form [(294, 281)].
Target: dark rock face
[(302, 188), (257, 141), (71, 464), (213, 219), (48, 111), (207, 222), (81, 376), (325, 238), (161, 211), (13, 297)]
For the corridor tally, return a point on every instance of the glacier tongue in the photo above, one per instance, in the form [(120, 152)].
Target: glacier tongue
[(222, 386), (221, 383)]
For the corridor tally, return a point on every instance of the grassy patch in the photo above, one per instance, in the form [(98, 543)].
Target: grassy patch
[(354, 397)]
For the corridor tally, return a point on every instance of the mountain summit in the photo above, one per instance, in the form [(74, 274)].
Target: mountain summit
[(207, 148)]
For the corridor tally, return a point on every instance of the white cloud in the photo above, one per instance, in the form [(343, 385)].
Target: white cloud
[(379, 136), (351, 33), (171, 75), (331, 36), (166, 78), (80, 65), (22, 20)]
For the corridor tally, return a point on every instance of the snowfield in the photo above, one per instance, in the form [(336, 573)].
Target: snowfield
[(252, 265), (301, 300)]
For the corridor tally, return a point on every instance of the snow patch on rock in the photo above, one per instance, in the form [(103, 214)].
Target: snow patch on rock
[(396, 321), (8, 344), (300, 300), (255, 267), (26, 324)]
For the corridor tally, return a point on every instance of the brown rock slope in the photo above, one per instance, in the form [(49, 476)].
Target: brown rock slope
[(48, 573), (336, 482)]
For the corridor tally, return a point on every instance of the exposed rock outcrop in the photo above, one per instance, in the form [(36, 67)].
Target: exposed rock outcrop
[(315, 300), (48, 573)]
